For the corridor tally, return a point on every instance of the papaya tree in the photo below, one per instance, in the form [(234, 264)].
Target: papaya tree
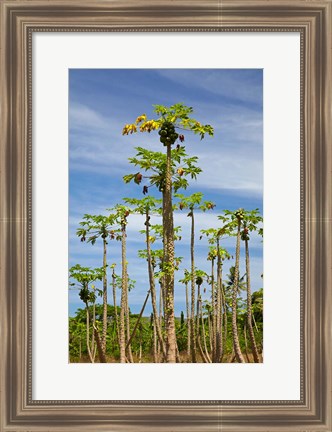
[(251, 223), (186, 280), (193, 202), (84, 276), (169, 121), (200, 275), (235, 220), (121, 213), (156, 232), (114, 286), (91, 228), (218, 304), (146, 206)]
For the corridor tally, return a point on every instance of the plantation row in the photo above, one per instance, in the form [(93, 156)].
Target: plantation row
[(219, 329)]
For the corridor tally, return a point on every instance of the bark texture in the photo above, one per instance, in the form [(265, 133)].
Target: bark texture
[(249, 307), (236, 343), (168, 262)]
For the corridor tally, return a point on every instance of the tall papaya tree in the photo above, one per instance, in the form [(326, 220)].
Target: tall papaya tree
[(200, 275), (84, 276), (121, 213), (186, 280), (146, 206), (156, 232), (91, 228), (216, 252), (169, 121), (235, 219), (193, 202), (114, 286), (251, 222)]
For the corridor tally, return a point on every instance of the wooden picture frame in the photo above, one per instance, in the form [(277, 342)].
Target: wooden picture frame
[(19, 19)]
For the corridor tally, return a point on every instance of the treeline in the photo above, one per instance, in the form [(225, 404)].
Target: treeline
[(143, 342), (219, 329)]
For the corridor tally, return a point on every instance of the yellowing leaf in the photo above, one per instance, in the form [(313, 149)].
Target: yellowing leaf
[(129, 129), (140, 118)]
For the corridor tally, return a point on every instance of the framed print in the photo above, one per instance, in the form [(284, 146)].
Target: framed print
[(253, 78)]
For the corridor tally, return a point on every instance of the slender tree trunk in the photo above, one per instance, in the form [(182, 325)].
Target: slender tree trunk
[(236, 343), (88, 334), (246, 342), (123, 296), (193, 290), (197, 311), (188, 322), (223, 298), (128, 345), (138, 320), (161, 312), (213, 334), (255, 324), (104, 333), (140, 351), (168, 236), (218, 324), (101, 354), (249, 307), (203, 334), (115, 307), (153, 286), (155, 351), (93, 346), (198, 334), (210, 334)]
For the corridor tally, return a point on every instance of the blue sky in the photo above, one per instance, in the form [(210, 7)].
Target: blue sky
[(103, 101)]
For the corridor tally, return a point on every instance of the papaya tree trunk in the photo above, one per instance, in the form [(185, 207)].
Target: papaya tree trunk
[(236, 343), (123, 296), (153, 286), (213, 333), (154, 342), (128, 345), (93, 344), (115, 306), (207, 356), (193, 290), (188, 322), (249, 307), (168, 263), (104, 333), (138, 321), (218, 319), (223, 298), (101, 354), (88, 334)]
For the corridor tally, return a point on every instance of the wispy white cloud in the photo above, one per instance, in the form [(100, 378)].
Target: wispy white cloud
[(235, 156)]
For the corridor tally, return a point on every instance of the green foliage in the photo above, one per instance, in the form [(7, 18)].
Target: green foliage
[(249, 220), (85, 275), (194, 201), (154, 162), (142, 206), (94, 226)]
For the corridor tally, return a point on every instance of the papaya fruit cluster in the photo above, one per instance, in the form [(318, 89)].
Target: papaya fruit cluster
[(167, 133), (87, 296), (239, 214)]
